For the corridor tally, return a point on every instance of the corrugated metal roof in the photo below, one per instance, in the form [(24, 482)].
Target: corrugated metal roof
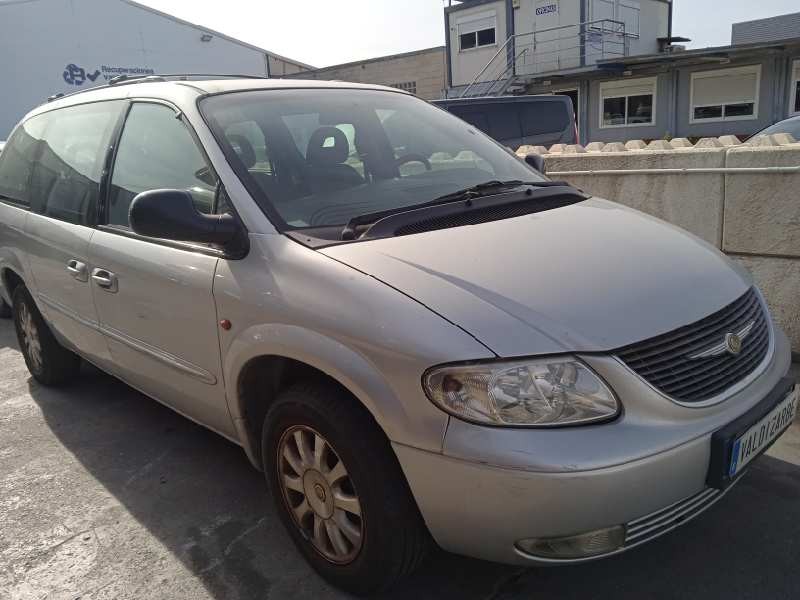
[(770, 29)]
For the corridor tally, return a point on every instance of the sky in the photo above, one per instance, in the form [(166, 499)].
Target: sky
[(329, 32)]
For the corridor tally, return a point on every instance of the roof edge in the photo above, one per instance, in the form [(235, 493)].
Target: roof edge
[(216, 33), (371, 60)]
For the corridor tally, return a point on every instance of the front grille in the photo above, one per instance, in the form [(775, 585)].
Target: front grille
[(664, 361), (660, 522)]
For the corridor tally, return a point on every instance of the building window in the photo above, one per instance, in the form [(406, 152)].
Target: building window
[(794, 106), (477, 31), (725, 94), (629, 103), (408, 86)]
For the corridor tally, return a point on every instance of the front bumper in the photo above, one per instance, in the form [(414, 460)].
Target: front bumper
[(492, 487)]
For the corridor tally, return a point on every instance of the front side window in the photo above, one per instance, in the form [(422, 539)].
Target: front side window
[(66, 179), (627, 104), (338, 154), (17, 160), (156, 151), (725, 94)]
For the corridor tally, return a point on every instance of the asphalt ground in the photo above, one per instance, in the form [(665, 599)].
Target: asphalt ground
[(107, 494)]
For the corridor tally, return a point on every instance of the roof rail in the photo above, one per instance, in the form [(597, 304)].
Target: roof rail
[(125, 79)]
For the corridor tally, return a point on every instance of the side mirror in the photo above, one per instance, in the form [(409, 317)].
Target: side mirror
[(537, 162), (171, 214)]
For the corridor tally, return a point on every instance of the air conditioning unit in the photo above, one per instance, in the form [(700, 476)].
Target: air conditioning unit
[(673, 48)]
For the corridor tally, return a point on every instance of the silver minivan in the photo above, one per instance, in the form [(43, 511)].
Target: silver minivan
[(413, 333)]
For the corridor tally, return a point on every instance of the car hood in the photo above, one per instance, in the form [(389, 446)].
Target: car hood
[(589, 277)]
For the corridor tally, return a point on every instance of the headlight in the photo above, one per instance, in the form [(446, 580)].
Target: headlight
[(533, 392)]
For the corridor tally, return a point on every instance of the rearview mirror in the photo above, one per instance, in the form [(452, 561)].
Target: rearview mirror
[(171, 214), (537, 162)]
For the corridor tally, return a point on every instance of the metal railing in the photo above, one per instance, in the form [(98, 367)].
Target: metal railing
[(548, 50)]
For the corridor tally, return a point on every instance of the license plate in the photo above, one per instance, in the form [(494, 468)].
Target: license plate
[(750, 444)]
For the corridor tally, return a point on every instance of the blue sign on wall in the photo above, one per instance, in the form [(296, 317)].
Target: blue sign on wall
[(549, 8), (75, 75)]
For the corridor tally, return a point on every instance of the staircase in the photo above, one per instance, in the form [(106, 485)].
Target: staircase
[(535, 54)]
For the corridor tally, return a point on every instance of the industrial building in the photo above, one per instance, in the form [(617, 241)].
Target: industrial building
[(627, 72), (421, 72), (62, 46)]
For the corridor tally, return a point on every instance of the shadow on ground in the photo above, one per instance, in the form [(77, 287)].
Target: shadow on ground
[(195, 495)]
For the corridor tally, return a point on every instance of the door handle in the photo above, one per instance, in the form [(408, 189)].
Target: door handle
[(105, 279), (78, 270)]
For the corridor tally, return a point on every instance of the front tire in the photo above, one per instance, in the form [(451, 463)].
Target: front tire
[(48, 361), (339, 489)]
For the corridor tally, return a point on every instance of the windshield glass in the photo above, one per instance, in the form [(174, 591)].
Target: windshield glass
[(791, 126), (320, 157)]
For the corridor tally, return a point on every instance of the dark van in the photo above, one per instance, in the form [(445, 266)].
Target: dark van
[(519, 120)]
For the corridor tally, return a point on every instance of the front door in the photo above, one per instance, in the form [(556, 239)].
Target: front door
[(154, 297), (64, 191)]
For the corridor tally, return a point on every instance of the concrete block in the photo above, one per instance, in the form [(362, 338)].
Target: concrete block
[(680, 143), (779, 279), (574, 149), (761, 140), (635, 145), (557, 148), (762, 211), (782, 139), (693, 202), (615, 147), (595, 147), (525, 150), (659, 145), (729, 140), (708, 142)]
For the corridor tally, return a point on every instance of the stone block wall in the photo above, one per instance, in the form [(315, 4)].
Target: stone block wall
[(742, 198)]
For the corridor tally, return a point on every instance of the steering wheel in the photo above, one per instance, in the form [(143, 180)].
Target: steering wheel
[(401, 160)]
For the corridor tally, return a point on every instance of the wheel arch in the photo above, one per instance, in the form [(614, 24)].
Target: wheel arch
[(10, 279), (258, 371)]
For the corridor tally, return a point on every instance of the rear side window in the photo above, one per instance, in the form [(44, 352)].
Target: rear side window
[(156, 151), (504, 121), (17, 159), (478, 119), (66, 177), (544, 117)]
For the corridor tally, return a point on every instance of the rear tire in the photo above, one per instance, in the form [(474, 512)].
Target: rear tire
[(48, 361), (350, 511)]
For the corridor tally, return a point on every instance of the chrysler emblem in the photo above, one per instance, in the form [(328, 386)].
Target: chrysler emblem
[(732, 343)]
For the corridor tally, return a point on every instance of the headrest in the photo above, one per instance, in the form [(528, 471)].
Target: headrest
[(323, 151), (243, 148)]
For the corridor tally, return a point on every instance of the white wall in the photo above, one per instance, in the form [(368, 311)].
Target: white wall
[(749, 215), (39, 38), (653, 23), (555, 49), (467, 64)]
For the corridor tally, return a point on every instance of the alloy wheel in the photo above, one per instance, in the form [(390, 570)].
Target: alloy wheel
[(319, 494), (30, 336)]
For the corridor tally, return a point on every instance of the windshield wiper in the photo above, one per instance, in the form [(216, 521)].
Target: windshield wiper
[(487, 188)]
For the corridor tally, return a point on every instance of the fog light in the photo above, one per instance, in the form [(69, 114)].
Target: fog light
[(583, 545)]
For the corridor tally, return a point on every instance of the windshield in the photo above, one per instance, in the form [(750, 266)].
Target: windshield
[(320, 157), (791, 126)]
